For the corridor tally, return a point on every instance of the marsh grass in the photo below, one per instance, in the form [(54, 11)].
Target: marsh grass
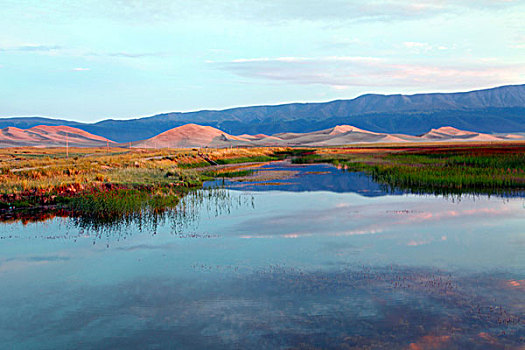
[(227, 174), (109, 204), (193, 165), (253, 159), (489, 170), (95, 183)]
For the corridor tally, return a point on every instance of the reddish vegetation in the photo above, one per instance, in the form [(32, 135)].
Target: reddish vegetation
[(49, 196), (471, 148)]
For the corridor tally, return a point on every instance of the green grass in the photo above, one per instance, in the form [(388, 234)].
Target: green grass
[(255, 159), (120, 202), (445, 172), (193, 165), (311, 158), (227, 174), (294, 152)]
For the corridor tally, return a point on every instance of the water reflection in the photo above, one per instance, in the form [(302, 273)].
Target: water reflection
[(182, 219), (271, 269), (312, 177), (388, 307), (326, 177)]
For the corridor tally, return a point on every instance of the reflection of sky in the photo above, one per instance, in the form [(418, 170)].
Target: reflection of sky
[(406, 229), (312, 177), (76, 284)]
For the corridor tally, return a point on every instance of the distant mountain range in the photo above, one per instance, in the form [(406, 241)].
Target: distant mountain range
[(496, 110)]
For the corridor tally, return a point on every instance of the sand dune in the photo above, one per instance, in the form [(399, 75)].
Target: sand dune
[(50, 136), (196, 136), (344, 129), (448, 133), (253, 137), (192, 135)]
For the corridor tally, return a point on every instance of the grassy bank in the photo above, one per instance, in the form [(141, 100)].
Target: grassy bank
[(482, 169), (102, 182)]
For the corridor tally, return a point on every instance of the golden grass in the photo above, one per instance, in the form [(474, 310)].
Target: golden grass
[(44, 169)]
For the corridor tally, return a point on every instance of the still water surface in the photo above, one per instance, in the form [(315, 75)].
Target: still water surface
[(324, 259)]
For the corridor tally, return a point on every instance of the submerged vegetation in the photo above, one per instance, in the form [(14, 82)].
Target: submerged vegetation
[(497, 169)]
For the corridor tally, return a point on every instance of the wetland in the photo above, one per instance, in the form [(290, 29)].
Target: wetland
[(286, 254)]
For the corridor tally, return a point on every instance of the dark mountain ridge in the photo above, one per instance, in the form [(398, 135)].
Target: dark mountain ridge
[(500, 109)]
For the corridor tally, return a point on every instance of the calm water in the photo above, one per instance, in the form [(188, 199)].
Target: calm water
[(325, 259)]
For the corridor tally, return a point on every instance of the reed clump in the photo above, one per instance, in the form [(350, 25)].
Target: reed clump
[(489, 170)]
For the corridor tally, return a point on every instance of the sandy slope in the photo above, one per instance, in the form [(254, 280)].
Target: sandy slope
[(448, 133), (195, 136), (50, 136), (192, 135)]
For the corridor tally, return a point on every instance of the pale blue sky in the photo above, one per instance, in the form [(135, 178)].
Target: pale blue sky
[(89, 60)]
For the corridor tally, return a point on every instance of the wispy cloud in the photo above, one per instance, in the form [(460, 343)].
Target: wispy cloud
[(417, 45), (519, 42), (266, 11), (77, 52), (80, 69), (31, 48), (344, 71), (124, 54), (277, 10)]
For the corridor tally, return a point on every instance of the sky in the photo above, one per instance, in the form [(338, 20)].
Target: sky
[(89, 60)]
